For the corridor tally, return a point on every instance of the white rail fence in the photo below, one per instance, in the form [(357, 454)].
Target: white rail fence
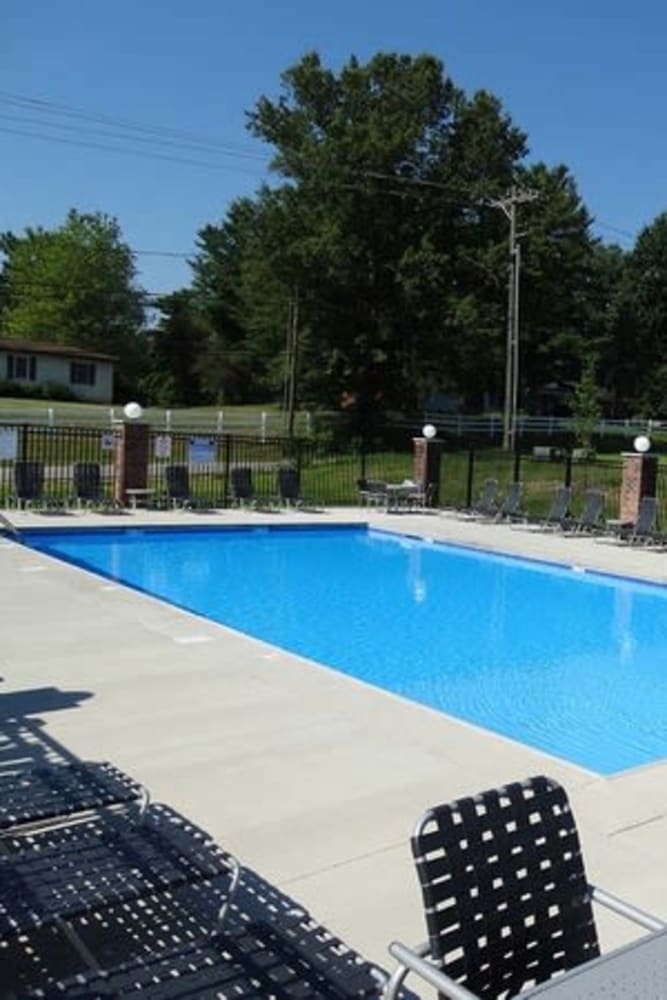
[(260, 423), (265, 424), (491, 425)]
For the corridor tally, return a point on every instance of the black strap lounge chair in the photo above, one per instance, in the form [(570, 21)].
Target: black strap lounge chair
[(288, 488), (506, 899), (590, 518), (485, 505), (510, 508), (37, 794), (88, 489), (179, 490), (241, 485), (65, 871), (29, 483), (182, 947), (177, 482), (558, 515), (644, 530)]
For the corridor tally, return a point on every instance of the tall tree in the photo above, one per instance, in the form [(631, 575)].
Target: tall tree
[(233, 368), (175, 348), (558, 328), (75, 285), (386, 164), (647, 297)]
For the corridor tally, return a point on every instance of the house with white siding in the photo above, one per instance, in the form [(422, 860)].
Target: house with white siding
[(31, 363)]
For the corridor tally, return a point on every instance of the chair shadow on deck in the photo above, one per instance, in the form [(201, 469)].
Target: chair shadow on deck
[(24, 742)]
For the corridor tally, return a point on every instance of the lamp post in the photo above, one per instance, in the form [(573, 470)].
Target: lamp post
[(131, 456), (133, 411), (426, 463)]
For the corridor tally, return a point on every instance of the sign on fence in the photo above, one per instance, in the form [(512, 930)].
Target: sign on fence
[(9, 442), (201, 450), (162, 446)]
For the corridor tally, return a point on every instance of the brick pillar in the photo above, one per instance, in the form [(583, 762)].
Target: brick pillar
[(640, 472), (131, 460), (427, 452)]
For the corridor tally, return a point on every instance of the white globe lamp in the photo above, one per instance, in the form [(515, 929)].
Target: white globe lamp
[(429, 431), (133, 411), (642, 443)]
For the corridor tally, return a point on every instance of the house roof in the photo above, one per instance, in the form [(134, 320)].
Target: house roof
[(48, 347)]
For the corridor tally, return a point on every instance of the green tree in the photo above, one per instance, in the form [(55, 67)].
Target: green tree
[(381, 221), (557, 257), (611, 304), (234, 292), (386, 163), (176, 344), (646, 297), (75, 285), (586, 409)]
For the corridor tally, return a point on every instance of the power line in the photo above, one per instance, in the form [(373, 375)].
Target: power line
[(68, 111), (615, 229), (126, 152), (164, 253), (78, 130)]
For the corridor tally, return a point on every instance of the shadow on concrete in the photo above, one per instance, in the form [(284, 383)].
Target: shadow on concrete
[(24, 741)]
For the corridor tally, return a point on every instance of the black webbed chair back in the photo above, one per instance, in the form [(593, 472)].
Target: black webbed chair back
[(505, 893)]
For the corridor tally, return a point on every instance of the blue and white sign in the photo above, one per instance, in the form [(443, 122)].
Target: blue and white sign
[(201, 450)]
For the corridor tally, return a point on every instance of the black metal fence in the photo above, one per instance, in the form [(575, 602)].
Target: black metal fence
[(325, 477), (328, 475), (58, 450)]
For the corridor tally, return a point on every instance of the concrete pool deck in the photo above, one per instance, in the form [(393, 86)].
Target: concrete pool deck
[(310, 777)]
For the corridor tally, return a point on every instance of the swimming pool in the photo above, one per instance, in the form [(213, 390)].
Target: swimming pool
[(570, 663)]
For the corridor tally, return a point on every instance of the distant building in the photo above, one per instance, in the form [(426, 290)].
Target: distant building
[(31, 363)]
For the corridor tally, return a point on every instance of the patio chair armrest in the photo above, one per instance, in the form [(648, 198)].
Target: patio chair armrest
[(414, 960), (624, 909)]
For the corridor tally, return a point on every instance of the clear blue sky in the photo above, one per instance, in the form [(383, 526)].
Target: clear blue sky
[(586, 80)]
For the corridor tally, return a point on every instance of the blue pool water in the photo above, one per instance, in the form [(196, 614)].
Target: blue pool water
[(571, 663)]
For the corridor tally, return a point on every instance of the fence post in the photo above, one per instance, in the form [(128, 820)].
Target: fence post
[(263, 427), (131, 460), (228, 452), (299, 446), (639, 478), (167, 419), (362, 459), (471, 473), (51, 415), (221, 421), (427, 453), (568, 469)]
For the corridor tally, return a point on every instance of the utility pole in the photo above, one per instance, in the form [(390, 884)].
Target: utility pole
[(508, 205)]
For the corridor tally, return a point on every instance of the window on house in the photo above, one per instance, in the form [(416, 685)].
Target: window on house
[(22, 367), (82, 373)]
